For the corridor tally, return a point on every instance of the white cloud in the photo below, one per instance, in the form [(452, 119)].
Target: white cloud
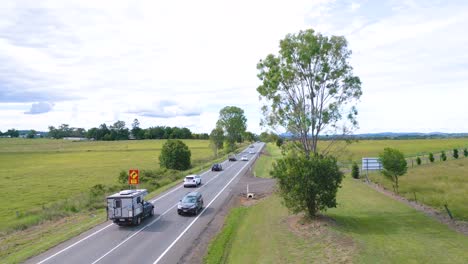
[(99, 61)]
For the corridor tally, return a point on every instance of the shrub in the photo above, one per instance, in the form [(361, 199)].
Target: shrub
[(175, 155), (279, 142), (465, 152), (308, 184), (455, 153), (431, 157), (443, 156), (355, 171), (418, 160)]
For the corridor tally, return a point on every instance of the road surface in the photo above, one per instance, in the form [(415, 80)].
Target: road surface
[(163, 238)]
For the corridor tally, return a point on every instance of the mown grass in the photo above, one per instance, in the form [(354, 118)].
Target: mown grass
[(379, 229), (35, 173), (435, 184), (388, 231), (264, 163)]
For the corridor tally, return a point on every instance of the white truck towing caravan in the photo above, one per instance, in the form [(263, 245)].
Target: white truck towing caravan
[(128, 207)]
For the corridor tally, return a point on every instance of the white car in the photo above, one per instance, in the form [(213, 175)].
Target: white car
[(192, 180), (251, 152), (244, 158)]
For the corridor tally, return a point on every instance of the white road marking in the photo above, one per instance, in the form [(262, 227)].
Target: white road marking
[(187, 228), (152, 222), (74, 244), (107, 226)]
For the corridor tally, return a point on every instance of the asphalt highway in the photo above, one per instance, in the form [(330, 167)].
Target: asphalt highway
[(163, 238)]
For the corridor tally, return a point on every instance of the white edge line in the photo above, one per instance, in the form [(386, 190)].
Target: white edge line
[(134, 234), (154, 221), (74, 244), (204, 209), (96, 232)]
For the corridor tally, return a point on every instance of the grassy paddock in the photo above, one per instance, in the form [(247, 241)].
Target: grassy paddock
[(435, 185), (36, 173), (411, 147)]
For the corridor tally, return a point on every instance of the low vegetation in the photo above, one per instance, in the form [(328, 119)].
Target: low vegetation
[(435, 184)]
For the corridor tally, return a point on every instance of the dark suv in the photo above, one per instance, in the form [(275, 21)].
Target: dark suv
[(216, 167), (192, 203)]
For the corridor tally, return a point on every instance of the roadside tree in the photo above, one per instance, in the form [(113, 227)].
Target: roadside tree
[(394, 165), (443, 156), (465, 152), (233, 123), (431, 157), (355, 171), (418, 160), (309, 90), (302, 184), (175, 155), (216, 139), (455, 153)]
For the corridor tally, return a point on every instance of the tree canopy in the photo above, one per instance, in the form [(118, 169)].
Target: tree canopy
[(233, 122), (175, 155), (309, 87)]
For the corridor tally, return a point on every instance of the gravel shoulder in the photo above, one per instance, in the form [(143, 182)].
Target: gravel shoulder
[(260, 187)]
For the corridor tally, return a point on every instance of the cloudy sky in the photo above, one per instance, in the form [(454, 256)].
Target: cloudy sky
[(177, 63)]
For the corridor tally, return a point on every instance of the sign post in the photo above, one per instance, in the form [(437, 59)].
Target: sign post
[(133, 178)]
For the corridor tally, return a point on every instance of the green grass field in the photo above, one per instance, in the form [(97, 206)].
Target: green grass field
[(370, 228), (435, 184), (263, 165), (414, 147), (37, 172)]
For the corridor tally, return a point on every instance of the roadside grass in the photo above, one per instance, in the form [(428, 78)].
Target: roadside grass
[(265, 161), (36, 173), (388, 231), (435, 184), (18, 246), (370, 228)]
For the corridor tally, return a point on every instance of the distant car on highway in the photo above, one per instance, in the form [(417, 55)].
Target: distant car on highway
[(192, 180), (232, 157), (244, 158), (191, 203), (251, 146), (217, 167), (251, 152)]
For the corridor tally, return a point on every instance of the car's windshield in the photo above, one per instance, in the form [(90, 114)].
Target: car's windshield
[(189, 199)]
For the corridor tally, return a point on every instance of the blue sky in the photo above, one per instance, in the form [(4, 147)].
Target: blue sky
[(177, 63)]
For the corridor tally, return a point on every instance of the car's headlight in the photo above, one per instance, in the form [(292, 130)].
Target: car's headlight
[(193, 206), (179, 206)]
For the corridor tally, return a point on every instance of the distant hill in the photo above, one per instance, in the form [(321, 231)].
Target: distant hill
[(396, 135)]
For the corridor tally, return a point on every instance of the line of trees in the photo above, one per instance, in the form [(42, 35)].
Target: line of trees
[(119, 131), (10, 133)]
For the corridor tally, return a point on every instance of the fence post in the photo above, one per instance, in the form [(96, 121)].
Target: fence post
[(448, 211)]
